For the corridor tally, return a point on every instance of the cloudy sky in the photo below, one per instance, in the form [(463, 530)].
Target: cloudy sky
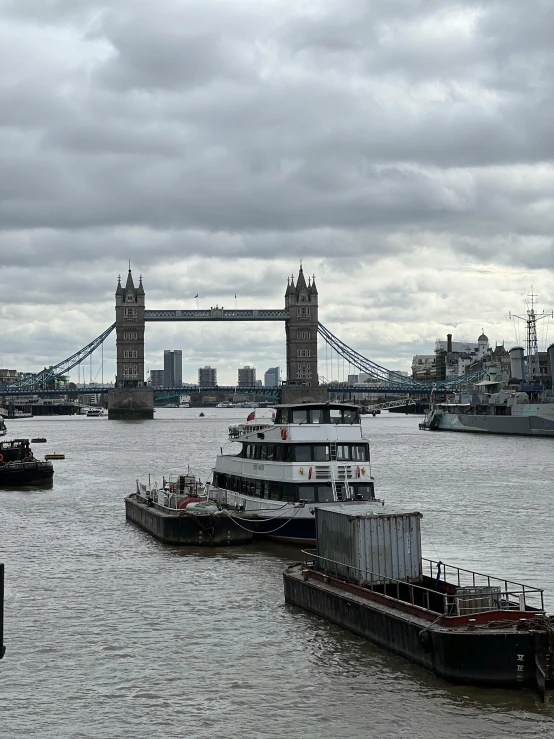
[(403, 149)]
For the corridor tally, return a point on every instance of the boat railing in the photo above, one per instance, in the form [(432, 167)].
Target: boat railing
[(451, 598)]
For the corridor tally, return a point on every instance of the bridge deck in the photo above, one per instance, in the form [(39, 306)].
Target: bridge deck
[(216, 314)]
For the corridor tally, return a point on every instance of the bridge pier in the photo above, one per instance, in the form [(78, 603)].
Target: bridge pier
[(130, 403)]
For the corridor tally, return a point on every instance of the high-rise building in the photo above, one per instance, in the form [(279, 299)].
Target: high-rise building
[(207, 377), (272, 378), (247, 376), (157, 378), (173, 367)]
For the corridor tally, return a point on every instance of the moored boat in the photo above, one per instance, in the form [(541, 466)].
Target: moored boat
[(18, 465), (465, 626), (309, 455), (180, 512)]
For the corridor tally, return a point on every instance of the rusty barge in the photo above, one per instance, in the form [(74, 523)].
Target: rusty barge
[(466, 627)]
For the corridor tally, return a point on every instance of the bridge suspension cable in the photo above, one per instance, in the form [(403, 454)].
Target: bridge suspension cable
[(388, 377), (63, 367)]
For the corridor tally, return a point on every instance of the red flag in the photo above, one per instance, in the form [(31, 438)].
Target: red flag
[(251, 416)]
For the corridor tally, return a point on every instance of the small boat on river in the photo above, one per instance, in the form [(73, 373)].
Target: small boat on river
[(18, 465), (181, 512)]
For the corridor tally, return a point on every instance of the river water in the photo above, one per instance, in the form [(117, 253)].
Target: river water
[(111, 634)]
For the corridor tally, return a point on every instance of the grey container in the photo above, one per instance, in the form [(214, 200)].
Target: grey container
[(364, 544)]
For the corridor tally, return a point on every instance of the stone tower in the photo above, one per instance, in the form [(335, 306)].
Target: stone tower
[(301, 331), (129, 327), (130, 399)]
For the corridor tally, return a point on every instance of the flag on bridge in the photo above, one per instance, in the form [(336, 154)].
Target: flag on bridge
[(251, 416)]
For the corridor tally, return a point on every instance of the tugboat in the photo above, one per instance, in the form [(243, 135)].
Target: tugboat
[(368, 576), (309, 456), (180, 512), (18, 465)]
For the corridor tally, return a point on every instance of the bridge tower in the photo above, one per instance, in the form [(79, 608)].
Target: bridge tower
[(130, 398), (301, 301)]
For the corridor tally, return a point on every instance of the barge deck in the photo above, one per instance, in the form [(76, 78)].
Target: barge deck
[(493, 638)]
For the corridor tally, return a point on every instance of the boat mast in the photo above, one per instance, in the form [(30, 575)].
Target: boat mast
[(531, 318)]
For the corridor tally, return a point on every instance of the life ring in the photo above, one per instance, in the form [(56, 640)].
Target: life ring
[(1, 457), (310, 473), (357, 471), (283, 433), (30, 453)]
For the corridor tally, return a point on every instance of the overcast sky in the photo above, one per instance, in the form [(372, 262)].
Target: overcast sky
[(402, 149)]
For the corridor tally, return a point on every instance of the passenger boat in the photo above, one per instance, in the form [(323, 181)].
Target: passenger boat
[(93, 412), (18, 465), (180, 512), (309, 455)]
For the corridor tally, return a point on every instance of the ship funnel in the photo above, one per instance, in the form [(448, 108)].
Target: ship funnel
[(449, 343), (517, 363), (550, 359)]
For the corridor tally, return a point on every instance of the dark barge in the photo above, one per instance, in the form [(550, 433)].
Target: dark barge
[(180, 513), (18, 465), (467, 628)]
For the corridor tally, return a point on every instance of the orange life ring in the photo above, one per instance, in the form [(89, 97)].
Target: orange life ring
[(310, 474), (283, 434), (1, 457), (30, 453), (357, 471)]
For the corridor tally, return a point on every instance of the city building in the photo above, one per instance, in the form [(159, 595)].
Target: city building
[(272, 378), (173, 368), (247, 376), (207, 377), (8, 376), (424, 367), (157, 378)]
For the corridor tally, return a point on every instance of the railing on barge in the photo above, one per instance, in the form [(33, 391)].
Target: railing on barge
[(468, 592)]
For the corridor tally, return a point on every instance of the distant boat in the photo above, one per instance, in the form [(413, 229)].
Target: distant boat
[(95, 412)]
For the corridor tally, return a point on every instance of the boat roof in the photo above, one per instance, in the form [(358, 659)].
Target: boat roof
[(368, 509), (489, 382), (351, 406)]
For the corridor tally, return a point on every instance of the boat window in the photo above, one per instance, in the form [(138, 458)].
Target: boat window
[(278, 453), (359, 453), (282, 416), (288, 492), (343, 453), (324, 494), (274, 490), (335, 415), (306, 493), (321, 453), (362, 492), (350, 415), (300, 415), (258, 450), (316, 415), (258, 489), (269, 452), (302, 453)]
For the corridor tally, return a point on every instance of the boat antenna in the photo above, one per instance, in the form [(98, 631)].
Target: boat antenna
[(530, 319)]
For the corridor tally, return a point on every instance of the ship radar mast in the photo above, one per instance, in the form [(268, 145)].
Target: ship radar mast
[(531, 318)]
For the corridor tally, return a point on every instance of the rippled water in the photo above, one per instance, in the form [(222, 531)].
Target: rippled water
[(111, 634)]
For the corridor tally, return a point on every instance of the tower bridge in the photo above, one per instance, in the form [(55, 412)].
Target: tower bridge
[(132, 398)]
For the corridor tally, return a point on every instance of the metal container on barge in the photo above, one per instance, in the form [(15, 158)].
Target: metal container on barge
[(370, 539), (465, 626)]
